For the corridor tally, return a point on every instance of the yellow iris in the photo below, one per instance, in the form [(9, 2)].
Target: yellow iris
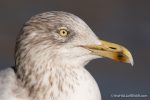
[(63, 32)]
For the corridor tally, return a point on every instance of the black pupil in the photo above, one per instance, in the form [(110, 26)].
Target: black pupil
[(64, 32)]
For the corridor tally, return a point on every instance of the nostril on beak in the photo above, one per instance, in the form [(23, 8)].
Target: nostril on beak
[(112, 48)]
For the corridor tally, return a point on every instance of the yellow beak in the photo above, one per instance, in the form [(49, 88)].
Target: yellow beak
[(112, 51)]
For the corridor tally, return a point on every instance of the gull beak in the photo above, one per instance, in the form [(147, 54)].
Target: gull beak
[(111, 51)]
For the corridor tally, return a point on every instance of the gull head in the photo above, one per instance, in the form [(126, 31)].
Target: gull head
[(63, 38)]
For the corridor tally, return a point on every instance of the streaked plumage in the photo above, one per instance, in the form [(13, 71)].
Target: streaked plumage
[(50, 65)]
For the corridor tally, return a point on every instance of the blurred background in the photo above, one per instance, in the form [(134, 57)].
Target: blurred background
[(126, 22)]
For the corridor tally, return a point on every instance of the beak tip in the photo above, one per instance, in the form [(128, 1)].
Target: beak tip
[(129, 57), (131, 61)]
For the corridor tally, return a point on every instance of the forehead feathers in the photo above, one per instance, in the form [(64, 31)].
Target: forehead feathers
[(56, 19)]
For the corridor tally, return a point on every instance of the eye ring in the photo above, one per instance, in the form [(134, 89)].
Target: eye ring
[(63, 32)]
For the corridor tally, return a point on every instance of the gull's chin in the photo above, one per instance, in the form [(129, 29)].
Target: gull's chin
[(87, 58), (77, 56)]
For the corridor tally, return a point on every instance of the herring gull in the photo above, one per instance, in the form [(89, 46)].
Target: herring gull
[(51, 52)]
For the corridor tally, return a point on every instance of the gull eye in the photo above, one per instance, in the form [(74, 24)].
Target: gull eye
[(63, 32)]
